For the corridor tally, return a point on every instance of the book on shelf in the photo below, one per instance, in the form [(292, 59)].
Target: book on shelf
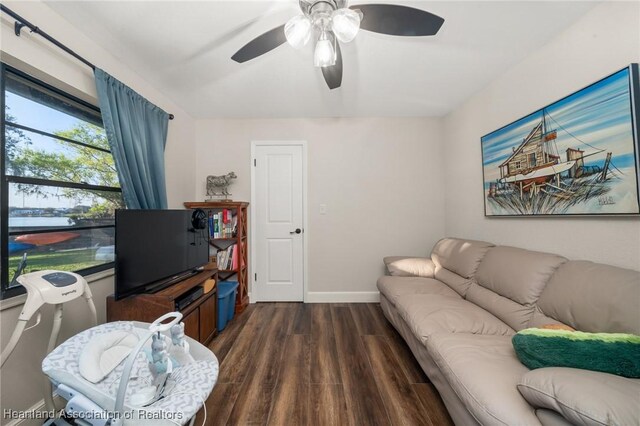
[(234, 259), (211, 226), (223, 224), (214, 225), (234, 225), (227, 259), (230, 257)]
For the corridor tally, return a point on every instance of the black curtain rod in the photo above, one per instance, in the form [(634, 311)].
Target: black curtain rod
[(21, 22)]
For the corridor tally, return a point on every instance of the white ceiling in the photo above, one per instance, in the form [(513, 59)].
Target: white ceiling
[(184, 48)]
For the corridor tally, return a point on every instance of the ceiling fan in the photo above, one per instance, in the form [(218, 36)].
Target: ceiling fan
[(333, 21)]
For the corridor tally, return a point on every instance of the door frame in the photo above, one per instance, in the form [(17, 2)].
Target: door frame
[(254, 295)]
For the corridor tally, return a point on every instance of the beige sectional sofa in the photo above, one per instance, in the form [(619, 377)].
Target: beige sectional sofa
[(459, 309)]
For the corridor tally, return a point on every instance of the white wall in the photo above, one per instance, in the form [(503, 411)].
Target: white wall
[(21, 378), (381, 179), (603, 41)]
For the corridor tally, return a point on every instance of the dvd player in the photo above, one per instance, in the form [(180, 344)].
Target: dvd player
[(188, 298)]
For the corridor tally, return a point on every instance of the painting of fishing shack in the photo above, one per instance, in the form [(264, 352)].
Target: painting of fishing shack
[(577, 156)]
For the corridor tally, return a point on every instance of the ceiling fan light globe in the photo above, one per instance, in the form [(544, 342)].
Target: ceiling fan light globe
[(345, 24), (298, 31), (325, 54)]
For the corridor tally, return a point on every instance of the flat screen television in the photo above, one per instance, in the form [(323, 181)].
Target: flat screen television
[(155, 248)]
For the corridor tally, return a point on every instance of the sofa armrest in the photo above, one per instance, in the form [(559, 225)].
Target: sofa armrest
[(403, 266), (582, 396)]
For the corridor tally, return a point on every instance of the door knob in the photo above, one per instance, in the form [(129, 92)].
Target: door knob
[(297, 231)]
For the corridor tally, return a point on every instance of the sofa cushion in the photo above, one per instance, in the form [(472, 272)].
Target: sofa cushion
[(583, 397), (428, 314), (483, 371), (510, 280), (455, 281), (551, 418), (593, 297), (517, 274), (403, 266), (459, 256), (393, 287), (539, 319), (512, 313)]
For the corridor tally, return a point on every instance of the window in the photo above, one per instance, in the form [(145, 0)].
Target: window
[(59, 188)]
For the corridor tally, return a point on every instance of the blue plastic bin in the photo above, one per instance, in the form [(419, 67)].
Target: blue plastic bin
[(226, 302)]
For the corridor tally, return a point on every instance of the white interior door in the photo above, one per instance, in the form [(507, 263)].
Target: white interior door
[(279, 228)]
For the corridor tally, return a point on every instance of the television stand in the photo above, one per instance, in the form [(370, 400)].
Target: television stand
[(161, 285), (199, 317)]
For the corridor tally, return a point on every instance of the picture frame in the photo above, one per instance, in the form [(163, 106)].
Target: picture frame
[(578, 156)]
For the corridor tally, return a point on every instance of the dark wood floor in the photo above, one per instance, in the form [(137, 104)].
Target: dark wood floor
[(318, 364)]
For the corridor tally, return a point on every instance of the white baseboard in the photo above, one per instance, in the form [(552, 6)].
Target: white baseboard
[(343, 297)]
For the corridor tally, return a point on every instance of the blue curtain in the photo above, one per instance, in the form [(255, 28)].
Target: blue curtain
[(137, 134)]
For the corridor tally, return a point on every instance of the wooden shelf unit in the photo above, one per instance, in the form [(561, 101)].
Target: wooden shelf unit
[(200, 317), (239, 208)]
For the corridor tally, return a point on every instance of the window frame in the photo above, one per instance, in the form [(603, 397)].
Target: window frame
[(5, 291)]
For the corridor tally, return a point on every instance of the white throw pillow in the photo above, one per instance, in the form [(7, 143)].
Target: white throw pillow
[(402, 266)]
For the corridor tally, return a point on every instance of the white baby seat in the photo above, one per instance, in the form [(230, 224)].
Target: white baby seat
[(134, 379), (188, 385)]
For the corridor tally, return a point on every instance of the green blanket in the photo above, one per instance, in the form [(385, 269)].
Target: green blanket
[(614, 353)]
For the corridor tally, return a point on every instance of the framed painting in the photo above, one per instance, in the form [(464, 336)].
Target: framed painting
[(576, 156)]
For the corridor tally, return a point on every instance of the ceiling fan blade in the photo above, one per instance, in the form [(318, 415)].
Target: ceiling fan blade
[(261, 45), (398, 20), (333, 74)]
